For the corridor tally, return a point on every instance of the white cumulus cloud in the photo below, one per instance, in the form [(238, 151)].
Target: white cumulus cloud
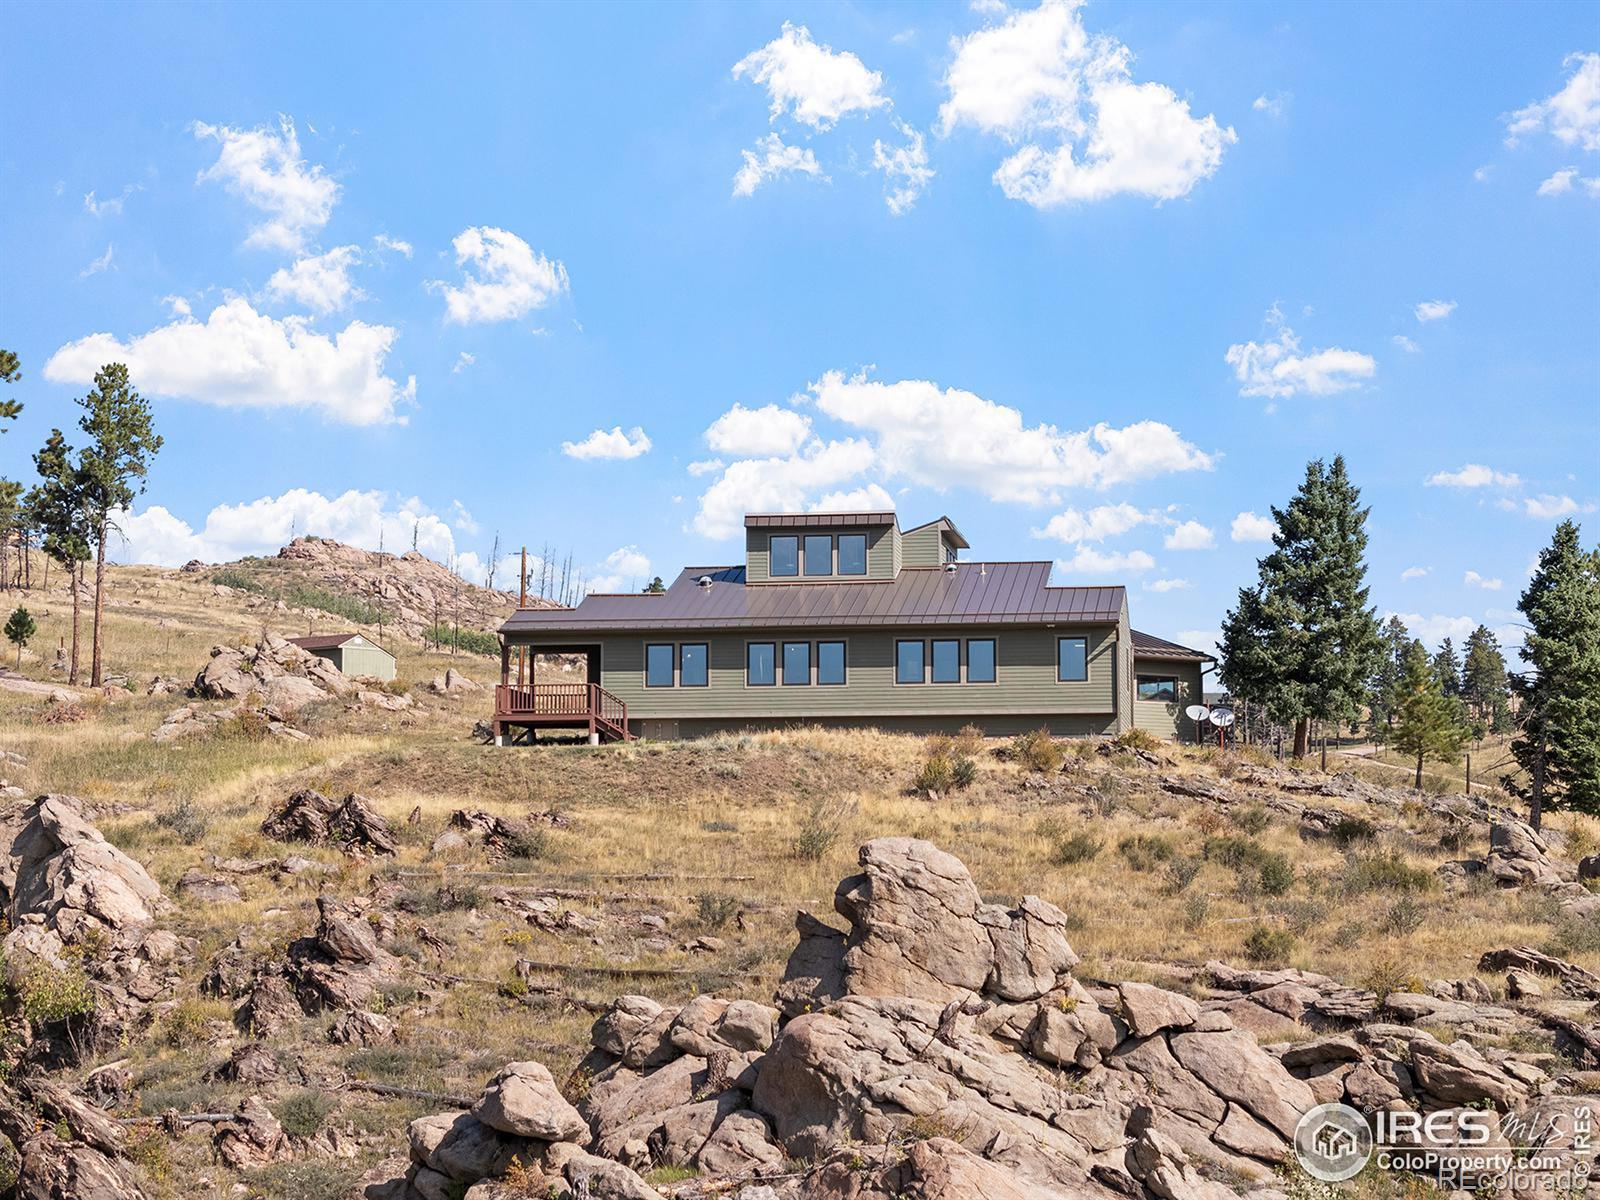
[(949, 437), (1086, 560), (905, 169), (624, 569), (1434, 310), (1096, 525), (463, 361), (1411, 573), (111, 206), (103, 263), (1473, 579), (239, 358), (1191, 535), (1572, 115), (1167, 585), (1251, 527), (321, 282), (1563, 181), (384, 242), (1473, 475), (770, 159), (1406, 344), (264, 167), (231, 531), (1277, 368), (1084, 130), (871, 498), (613, 445), (1435, 627), (778, 484), (1548, 507), (505, 278), (814, 84), (758, 432)]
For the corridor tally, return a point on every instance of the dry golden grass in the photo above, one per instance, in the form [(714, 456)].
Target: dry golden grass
[(770, 820)]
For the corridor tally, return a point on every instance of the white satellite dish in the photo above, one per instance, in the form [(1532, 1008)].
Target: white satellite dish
[(1197, 712), (1222, 717)]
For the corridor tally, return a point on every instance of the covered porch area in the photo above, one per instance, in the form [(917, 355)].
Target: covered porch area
[(523, 704)]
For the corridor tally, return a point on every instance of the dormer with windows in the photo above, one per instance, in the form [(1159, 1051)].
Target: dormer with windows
[(790, 548)]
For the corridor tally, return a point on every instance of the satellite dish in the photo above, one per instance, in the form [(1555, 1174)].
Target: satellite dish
[(1197, 712), (1222, 717)]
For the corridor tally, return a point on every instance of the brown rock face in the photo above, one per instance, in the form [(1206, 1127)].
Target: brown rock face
[(351, 823)]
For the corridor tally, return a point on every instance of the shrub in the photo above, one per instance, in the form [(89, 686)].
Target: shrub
[(1137, 739), (184, 821), (1077, 847), (47, 993), (1390, 872), (340, 605), (1405, 915), (1347, 831), (1252, 818), (968, 742), (714, 909), (1387, 976), (1276, 875), (1181, 872), (821, 827), (64, 712), (1235, 852), (1575, 935), (148, 1147), (1300, 917), (935, 775), (1268, 945), (1145, 851), (184, 1024), (531, 842), (1196, 910), (303, 1113), (962, 772), (1037, 750), (473, 641), (231, 577), (305, 1180)]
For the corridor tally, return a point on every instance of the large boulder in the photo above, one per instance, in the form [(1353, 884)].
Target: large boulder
[(523, 1099), (1519, 857)]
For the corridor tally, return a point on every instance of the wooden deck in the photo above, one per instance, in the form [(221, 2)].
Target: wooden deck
[(523, 711)]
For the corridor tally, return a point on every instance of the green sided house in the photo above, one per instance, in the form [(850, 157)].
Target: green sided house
[(845, 619), (351, 653)]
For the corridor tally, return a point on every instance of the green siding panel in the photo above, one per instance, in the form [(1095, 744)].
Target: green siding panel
[(882, 543), (1026, 678), (1167, 720)]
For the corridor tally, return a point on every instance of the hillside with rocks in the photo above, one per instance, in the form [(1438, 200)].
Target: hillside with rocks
[(308, 937), (412, 590)]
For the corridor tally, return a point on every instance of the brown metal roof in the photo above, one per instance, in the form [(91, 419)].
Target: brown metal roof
[(812, 520), (322, 641), (972, 594), (1147, 645)]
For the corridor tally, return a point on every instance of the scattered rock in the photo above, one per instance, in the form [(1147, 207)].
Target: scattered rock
[(352, 824)]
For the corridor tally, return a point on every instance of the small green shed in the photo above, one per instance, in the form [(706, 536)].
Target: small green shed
[(351, 653)]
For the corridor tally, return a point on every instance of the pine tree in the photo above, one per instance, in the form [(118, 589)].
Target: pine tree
[(1385, 683), (655, 586), (56, 510), (1427, 724), (10, 490), (1483, 682), (1302, 641), (10, 372), (20, 628), (1558, 744), (111, 469), (1447, 668)]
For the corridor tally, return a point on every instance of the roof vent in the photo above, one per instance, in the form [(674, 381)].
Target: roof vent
[(950, 568), (704, 581)]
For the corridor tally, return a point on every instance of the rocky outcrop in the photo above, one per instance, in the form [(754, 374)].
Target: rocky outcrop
[(89, 1164), (942, 1047), (454, 684), (1519, 857), (249, 716), (274, 671), (351, 824)]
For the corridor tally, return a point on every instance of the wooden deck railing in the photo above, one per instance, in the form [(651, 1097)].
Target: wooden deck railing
[(568, 700)]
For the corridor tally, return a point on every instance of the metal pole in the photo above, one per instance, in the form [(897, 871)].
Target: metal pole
[(1469, 772), (522, 602)]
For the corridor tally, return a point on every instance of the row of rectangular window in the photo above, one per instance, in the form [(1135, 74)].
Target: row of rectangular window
[(790, 555), (916, 660)]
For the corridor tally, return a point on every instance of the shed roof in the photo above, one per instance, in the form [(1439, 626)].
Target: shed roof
[(817, 519), (323, 641), (970, 594), (1147, 645)]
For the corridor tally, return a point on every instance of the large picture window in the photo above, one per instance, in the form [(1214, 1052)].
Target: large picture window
[(1163, 688), (830, 663), (693, 665), (819, 554), (1072, 659), (980, 660), (796, 664), (852, 554), (658, 665), (908, 662), (783, 556), (946, 660), (760, 664)]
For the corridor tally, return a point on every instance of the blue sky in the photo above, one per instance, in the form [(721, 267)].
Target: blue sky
[(1095, 281)]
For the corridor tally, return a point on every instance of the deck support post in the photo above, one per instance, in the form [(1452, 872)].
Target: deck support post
[(505, 664)]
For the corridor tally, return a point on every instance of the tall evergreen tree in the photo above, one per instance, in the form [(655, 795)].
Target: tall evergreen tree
[(112, 469), (10, 372), (1558, 744), (56, 509), (10, 490), (1447, 668), (1427, 724), (1384, 686), (1302, 641), (1483, 682)]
